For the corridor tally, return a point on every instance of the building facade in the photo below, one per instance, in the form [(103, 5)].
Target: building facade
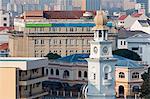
[(140, 44), (22, 78), (4, 19), (73, 70), (38, 37), (141, 25), (90, 5), (126, 21), (128, 77)]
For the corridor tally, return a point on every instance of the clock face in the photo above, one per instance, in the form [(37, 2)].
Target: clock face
[(95, 49), (105, 49)]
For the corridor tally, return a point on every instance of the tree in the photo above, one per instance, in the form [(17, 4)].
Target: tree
[(145, 88), (53, 56), (127, 54)]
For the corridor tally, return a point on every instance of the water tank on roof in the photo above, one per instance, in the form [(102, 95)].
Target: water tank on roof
[(87, 14)]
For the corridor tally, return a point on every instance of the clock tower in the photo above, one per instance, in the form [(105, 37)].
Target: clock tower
[(101, 64)]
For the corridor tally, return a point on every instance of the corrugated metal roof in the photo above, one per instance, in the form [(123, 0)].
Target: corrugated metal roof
[(80, 58)]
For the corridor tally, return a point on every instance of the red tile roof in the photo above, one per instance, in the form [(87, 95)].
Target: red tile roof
[(65, 14), (6, 28), (4, 46), (136, 15), (122, 17)]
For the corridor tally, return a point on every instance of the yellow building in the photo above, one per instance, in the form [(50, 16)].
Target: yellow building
[(128, 77), (36, 38), (21, 78)]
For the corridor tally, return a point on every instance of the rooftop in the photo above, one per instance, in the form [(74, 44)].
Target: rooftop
[(22, 63), (4, 46), (144, 23), (122, 17), (81, 58), (19, 58), (123, 34)]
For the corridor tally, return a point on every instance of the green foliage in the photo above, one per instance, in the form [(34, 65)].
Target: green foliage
[(53, 56), (145, 88), (127, 54)]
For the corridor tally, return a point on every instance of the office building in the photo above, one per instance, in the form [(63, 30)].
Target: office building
[(21, 78), (61, 32), (91, 5)]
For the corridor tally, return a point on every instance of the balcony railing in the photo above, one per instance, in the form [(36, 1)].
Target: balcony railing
[(34, 95), (31, 77)]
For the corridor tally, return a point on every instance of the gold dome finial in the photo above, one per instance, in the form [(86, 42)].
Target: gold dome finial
[(100, 21)]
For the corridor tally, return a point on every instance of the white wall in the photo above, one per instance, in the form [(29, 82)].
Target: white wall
[(146, 54), (137, 26), (122, 44), (2, 21)]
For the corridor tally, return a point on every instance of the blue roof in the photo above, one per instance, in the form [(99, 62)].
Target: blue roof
[(125, 62), (81, 58), (75, 58)]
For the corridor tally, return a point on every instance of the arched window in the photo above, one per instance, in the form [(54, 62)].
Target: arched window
[(85, 74), (66, 74), (135, 75), (57, 72), (121, 75), (52, 71), (107, 72), (135, 89), (46, 71), (79, 74)]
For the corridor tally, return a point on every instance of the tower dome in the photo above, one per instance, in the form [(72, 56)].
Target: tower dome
[(100, 21)]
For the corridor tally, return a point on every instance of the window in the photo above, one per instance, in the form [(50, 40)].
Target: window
[(47, 71), (52, 71), (121, 42), (57, 72), (135, 89), (85, 74), (26, 88), (50, 42), (42, 41), (94, 76), (124, 42), (121, 75), (135, 48), (38, 84), (5, 19), (141, 51), (66, 74), (106, 76), (79, 74), (4, 24), (135, 75), (36, 42), (82, 28), (71, 29)]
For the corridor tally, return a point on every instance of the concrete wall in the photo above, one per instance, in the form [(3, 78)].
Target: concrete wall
[(8, 83)]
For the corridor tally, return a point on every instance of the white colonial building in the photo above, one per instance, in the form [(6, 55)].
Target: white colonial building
[(123, 35), (126, 21), (128, 76), (140, 44), (141, 25)]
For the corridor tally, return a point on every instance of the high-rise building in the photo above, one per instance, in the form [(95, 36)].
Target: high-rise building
[(145, 4), (90, 5)]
